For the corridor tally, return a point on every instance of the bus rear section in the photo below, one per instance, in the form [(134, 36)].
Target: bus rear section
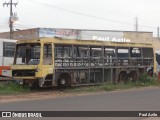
[(59, 62)]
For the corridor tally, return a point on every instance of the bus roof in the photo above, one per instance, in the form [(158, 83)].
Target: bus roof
[(8, 40), (86, 42)]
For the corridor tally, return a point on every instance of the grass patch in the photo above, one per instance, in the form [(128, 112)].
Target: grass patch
[(143, 81), (103, 87), (12, 88)]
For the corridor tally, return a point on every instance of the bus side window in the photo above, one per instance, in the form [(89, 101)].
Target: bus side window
[(8, 49), (47, 54)]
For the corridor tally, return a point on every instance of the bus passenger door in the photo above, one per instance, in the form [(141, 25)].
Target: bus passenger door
[(47, 56), (47, 66)]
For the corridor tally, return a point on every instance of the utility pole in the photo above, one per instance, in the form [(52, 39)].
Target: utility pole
[(136, 24), (158, 32), (11, 15)]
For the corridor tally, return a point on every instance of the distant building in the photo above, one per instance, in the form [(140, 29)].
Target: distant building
[(84, 34)]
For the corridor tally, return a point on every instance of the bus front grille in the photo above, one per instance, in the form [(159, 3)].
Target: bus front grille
[(24, 73)]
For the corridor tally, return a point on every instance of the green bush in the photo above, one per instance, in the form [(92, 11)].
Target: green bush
[(146, 80), (13, 87)]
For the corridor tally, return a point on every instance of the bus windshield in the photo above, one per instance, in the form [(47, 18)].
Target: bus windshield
[(27, 54)]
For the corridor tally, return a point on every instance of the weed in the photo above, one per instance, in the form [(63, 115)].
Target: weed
[(13, 88)]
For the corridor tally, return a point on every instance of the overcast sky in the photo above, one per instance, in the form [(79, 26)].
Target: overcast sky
[(84, 14)]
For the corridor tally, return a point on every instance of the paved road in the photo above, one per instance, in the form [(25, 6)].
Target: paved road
[(146, 99)]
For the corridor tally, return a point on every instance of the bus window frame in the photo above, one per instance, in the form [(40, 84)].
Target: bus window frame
[(49, 58)]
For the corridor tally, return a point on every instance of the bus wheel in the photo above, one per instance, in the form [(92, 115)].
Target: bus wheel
[(31, 84), (122, 76), (64, 79), (133, 76)]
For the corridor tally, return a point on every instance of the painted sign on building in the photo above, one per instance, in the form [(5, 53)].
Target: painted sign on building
[(62, 33), (111, 36), (66, 33), (47, 32)]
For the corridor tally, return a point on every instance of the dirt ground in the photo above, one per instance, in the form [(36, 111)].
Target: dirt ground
[(38, 95), (32, 96)]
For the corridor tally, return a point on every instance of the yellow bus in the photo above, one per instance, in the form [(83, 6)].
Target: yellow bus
[(61, 62)]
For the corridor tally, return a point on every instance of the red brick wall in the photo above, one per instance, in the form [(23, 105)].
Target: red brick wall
[(22, 34)]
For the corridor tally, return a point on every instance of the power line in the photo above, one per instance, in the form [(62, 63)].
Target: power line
[(79, 13), (87, 15), (24, 26)]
